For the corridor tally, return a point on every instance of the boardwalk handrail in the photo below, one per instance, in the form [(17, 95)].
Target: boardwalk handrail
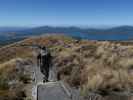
[(67, 91)]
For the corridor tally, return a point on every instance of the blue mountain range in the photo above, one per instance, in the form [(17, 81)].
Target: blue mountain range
[(115, 33)]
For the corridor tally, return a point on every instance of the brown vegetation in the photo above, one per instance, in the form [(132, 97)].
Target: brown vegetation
[(89, 65), (11, 82)]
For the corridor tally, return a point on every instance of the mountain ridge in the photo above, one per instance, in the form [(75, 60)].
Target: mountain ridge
[(124, 32)]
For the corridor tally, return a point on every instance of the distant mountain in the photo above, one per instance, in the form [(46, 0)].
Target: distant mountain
[(23, 31), (48, 29), (11, 29), (8, 34), (115, 33), (121, 29)]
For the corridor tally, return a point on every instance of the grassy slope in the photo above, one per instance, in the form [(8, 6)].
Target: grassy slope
[(89, 65), (12, 80)]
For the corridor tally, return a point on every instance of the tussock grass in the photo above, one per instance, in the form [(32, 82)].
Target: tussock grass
[(12, 80), (96, 66), (14, 51), (89, 65), (110, 71)]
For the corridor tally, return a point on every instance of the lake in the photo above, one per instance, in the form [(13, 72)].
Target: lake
[(100, 36)]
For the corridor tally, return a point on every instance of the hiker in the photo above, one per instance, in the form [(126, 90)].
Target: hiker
[(44, 61), (39, 59)]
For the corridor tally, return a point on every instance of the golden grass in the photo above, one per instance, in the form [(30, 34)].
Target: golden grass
[(9, 53), (7, 67), (9, 73), (92, 65), (98, 65), (111, 70)]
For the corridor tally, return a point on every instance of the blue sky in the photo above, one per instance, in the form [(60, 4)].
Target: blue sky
[(66, 12)]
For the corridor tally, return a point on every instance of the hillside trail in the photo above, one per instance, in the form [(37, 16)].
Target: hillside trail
[(51, 90), (59, 90)]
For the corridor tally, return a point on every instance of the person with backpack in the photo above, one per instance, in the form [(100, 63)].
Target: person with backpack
[(44, 61)]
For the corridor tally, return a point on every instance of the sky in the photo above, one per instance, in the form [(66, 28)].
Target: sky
[(66, 12)]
